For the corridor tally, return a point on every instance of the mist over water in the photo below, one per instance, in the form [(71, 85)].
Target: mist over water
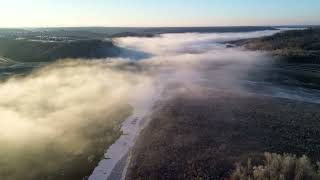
[(194, 59), (203, 59), (55, 115), (60, 106), (192, 63)]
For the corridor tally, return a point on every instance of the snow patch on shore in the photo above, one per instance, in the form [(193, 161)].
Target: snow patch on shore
[(131, 127)]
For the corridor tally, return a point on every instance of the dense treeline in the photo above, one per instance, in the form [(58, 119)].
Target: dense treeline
[(37, 51), (296, 45)]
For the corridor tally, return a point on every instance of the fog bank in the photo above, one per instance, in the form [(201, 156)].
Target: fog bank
[(65, 108), (58, 112)]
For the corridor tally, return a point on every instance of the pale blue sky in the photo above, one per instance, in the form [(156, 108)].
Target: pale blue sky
[(44, 13)]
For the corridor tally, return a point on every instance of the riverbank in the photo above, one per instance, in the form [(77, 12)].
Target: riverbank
[(117, 157), (203, 135)]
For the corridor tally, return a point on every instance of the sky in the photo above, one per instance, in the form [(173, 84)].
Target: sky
[(157, 13)]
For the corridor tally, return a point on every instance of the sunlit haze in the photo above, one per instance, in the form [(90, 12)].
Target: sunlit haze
[(159, 89)]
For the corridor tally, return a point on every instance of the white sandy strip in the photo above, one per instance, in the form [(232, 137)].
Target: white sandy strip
[(131, 128)]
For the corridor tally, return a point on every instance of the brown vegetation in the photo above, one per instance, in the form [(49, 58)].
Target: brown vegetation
[(203, 135), (278, 167)]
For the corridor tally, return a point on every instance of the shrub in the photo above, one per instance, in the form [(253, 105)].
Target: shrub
[(278, 167)]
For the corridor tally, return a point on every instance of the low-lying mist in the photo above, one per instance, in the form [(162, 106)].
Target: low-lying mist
[(207, 60), (67, 112), (194, 59), (61, 110)]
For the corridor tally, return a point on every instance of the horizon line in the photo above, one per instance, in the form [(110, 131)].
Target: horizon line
[(40, 27)]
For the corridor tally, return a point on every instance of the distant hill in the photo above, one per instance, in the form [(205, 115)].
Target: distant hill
[(37, 51), (47, 44), (76, 33), (12, 31), (148, 31), (296, 45)]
